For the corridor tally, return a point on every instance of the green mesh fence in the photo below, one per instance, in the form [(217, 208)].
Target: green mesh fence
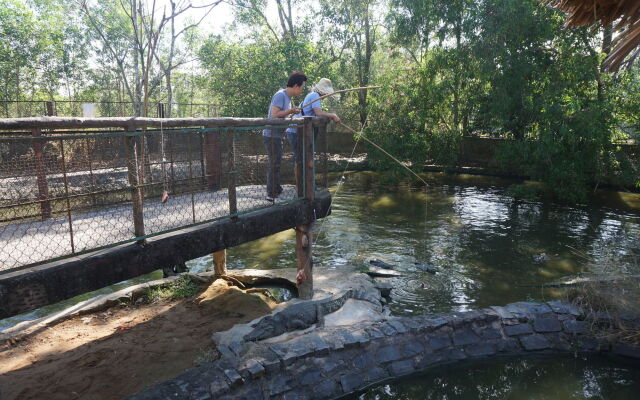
[(69, 192)]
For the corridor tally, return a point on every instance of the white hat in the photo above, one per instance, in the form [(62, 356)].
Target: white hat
[(323, 87)]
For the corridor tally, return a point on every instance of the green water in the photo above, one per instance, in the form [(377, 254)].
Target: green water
[(486, 245), (521, 379)]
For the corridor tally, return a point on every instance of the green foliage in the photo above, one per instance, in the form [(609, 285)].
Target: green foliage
[(570, 154), (524, 192), (45, 50), (449, 69), (182, 287)]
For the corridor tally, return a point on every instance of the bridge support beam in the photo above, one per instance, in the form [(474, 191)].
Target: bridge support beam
[(304, 233), (220, 262)]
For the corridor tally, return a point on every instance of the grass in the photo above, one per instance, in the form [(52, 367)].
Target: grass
[(609, 305), (205, 356), (180, 288)]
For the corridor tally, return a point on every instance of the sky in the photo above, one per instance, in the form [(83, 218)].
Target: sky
[(221, 16)]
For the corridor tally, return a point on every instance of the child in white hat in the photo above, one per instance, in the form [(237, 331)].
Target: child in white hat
[(313, 107)]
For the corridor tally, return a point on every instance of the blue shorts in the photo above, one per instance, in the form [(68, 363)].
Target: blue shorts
[(292, 138)]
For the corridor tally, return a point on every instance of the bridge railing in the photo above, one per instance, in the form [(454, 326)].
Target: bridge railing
[(70, 186)]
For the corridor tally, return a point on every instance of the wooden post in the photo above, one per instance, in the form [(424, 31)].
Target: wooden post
[(220, 262), (41, 175), (298, 167), (66, 195), (325, 152), (304, 233), (136, 193), (231, 174), (213, 160)]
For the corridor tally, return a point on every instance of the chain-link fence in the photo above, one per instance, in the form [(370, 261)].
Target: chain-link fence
[(66, 192), (73, 108)]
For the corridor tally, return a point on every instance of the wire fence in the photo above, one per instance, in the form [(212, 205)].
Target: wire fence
[(67, 192), (74, 108)]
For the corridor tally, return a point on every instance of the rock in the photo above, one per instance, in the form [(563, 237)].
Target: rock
[(380, 264), (384, 288), (432, 269)]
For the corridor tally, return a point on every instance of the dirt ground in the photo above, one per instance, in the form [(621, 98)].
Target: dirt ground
[(122, 350)]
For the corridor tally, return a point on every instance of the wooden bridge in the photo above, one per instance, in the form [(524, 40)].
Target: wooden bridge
[(81, 199)]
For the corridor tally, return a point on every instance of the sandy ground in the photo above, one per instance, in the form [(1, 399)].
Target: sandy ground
[(122, 350)]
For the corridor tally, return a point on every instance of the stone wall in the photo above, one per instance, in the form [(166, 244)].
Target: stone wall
[(330, 362)]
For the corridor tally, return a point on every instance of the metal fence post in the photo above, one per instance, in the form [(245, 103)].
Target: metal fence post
[(136, 193), (304, 233)]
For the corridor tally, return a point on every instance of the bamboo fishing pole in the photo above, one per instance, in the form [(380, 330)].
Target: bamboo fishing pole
[(340, 91)]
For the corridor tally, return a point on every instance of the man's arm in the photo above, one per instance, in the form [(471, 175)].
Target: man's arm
[(320, 113), (277, 112)]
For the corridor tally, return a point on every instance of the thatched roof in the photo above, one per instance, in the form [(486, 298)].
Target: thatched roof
[(624, 14)]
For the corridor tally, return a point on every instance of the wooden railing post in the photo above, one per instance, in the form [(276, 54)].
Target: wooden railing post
[(41, 175), (136, 194), (231, 175), (297, 168), (325, 152), (304, 233)]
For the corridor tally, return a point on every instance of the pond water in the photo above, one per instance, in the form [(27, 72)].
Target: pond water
[(489, 249), (517, 379)]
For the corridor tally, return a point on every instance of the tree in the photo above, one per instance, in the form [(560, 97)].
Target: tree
[(352, 25), (131, 32)]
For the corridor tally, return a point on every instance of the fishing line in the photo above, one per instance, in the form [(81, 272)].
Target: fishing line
[(358, 136), (340, 182), (342, 177)]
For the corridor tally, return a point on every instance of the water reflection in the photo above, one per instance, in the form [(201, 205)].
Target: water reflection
[(489, 248), (531, 378)]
